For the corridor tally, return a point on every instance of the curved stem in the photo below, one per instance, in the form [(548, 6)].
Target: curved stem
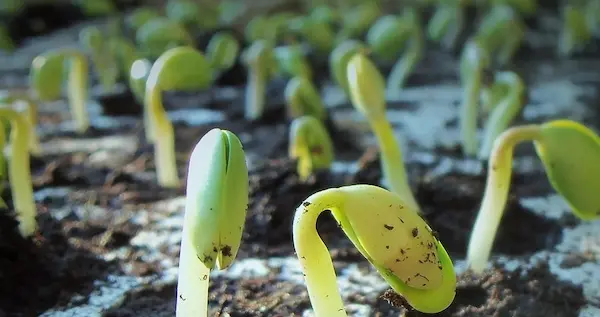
[(314, 256), (77, 91), (192, 281), (392, 163), (255, 93), (164, 150), (496, 193)]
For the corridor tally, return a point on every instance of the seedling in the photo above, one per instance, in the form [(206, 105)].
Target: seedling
[(388, 233), (311, 145), (318, 34), (222, 51), (303, 99), (501, 31), (191, 14), (23, 103), (357, 20), (140, 16), (292, 62), (338, 62), (505, 111), (386, 39), (575, 33), (447, 23), (325, 13), (103, 58), (412, 33), (473, 62), (138, 74), (125, 53), (171, 71), (259, 59), (260, 28), (47, 79), (160, 34), (19, 173), (215, 213), (367, 91), (570, 153)]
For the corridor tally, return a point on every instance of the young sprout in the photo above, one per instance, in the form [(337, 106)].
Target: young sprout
[(311, 145), (338, 62), (367, 92), (292, 62), (171, 71), (18, 171), (446, 24), (222, 51), (138, 74), (260, 28), (303, 99), (570, 153), (6, 42), (385, 38), (103, 58), (191, 14), (319, 35), (575, 33), (215, 213), (412, 32), (259, 59), (140, 16), (473, 62), (160, 34), (125, 53), (388, 233), (23, 103), (505, 111), (46, 78), (358, 19), (501, 31)]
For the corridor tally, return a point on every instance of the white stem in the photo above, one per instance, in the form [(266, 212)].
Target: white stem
[(164, 153), (192, 281), (255, 94), (77, 91)]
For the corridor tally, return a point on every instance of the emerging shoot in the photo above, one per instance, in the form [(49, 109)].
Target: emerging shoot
[(311, 145), (303, 99), (222, 51), (160, 34), (259, 59), (575, 33), (388, 233), (103, 58), (292, 62), (446, 24), (501, 33), (570, 153), (338, 62)]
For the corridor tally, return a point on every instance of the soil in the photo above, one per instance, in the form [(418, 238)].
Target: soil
[(62, 262)]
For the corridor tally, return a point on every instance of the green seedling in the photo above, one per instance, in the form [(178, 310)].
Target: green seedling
[(171, 71), (411, 32), (191, 14), (326, 14), (501, 33), (388, 233), (280, 21), (319, 35), (261, 28), (6, 42), (160, 34), (260, 62), (358, 19), (124, 52), (222, 51), (570, 153), (507, 108), (474, 60), (524, 7), (367, 91), (385, 37), (303, 99), (46, 78), (141, 16), (311, 145), (215, 214), (19, 171), (96, 7), (338, 62), (103, 58), (138, 75), (447, 23), (292, 62), (575, 33), (21, 102)]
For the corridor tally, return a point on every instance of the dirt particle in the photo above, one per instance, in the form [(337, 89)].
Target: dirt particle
[(388, 227), (226, 251), (306, 204), (415, 232)]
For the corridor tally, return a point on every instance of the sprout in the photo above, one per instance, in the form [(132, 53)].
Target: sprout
[(260, 28), (125, 52), (19, 173), (570, 153), (6, 42), (138, 74), (505, 111), (23, 103), (473, 62), (222, 51), (575, 33), (191, 14), (302, 99), (260, 62), (102, 57), (325, 13), (171, 71), (413, 33), (140, 16), (385, 38), (311, 145), (280, 21), (160, 34), (446, 24), (318, 34), (338, 62), (368, 97), (292, 62), (501, 31), (388, 233), (96, 7), (47, 78), (358, 19), (215, 213)]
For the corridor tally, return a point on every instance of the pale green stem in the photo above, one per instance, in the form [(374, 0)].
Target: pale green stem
[(164, 150), (192, 281), (392, 163), (319, 273), (496, 194), (31, 114), (468, 115), (77, 91), (152, 100), (403, 67), (256, 90)]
